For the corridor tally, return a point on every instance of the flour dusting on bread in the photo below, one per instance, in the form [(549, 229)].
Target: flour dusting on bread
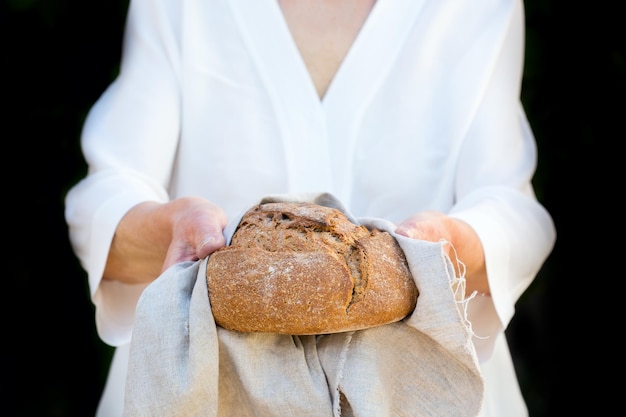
[(303, 268)]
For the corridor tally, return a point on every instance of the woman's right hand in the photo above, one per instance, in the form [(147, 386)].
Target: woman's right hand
[(153, 236)]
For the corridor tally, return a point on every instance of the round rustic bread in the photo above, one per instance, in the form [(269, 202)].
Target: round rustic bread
[(303, 268)]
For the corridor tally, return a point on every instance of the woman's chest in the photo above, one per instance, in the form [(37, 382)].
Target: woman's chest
[(324, 31)]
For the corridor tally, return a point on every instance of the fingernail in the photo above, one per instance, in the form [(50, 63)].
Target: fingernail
[(207, 242)]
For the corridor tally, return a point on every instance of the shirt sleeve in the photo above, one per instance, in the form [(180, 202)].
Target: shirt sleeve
[(496, 196), (129, 140)]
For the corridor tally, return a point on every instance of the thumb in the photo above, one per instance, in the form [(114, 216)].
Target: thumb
[(210, 244)]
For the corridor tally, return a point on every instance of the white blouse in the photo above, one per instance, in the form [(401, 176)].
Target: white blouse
[(213, 99)]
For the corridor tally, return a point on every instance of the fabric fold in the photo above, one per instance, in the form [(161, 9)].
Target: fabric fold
[(181, 363)]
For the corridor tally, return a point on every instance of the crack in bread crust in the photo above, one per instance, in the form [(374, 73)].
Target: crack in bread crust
[(304, 227), (302, 268)]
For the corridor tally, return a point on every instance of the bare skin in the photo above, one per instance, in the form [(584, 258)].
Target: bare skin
[(324, 31), (433, 226), (152, 236)]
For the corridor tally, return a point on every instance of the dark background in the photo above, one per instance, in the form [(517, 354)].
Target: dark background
[(59, 55)]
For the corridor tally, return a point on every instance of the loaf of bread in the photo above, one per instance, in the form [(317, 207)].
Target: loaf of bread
[(303, 268)]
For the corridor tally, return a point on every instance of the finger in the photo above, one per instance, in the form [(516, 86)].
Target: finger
[(209, 244), (410, 226), (177, 253), (419, 225), (209, 234)]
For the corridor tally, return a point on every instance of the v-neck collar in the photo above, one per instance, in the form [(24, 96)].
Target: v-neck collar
[(366, 61), (373, 52), (319, 122)]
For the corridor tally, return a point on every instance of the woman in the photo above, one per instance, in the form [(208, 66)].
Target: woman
[(404, 110)]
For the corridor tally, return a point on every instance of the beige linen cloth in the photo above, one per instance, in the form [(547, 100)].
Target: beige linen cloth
[(182, 364)]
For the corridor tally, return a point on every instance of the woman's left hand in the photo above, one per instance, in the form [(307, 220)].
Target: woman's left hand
[(465, 246)]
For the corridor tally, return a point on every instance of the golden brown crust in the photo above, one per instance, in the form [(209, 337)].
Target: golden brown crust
[(301, 268)]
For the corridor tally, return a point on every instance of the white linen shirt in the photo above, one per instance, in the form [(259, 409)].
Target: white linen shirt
[(213, 99)]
